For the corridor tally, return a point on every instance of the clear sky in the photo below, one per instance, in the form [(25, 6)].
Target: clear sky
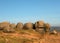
[(30, 11)]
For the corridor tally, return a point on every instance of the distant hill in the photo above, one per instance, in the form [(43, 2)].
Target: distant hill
[(56, 27)]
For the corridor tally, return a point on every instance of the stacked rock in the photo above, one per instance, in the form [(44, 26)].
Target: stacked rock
[(39, 25)]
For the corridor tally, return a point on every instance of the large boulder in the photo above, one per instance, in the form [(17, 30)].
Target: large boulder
[(5, 27), (28, 25), (12, 26), (4, 24), (19, 25), (8, 29), (39, 25), (47, 27)]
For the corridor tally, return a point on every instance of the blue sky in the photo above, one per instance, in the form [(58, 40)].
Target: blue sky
[(30, 11)]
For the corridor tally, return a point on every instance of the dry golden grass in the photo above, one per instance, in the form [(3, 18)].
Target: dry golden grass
[(28, 36)]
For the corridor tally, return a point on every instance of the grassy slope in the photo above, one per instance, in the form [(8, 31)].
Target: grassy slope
[(28, 36)]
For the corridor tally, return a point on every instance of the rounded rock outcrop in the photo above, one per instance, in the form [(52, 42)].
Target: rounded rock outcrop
[(28, 25), (19, 25), (47, 27), (4, 24), (39, 25)]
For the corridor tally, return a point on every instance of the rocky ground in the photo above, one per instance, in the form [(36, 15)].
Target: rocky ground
[(28, 36)]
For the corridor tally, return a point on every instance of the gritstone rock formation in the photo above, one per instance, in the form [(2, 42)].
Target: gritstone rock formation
[(28, 25), (19, 26), (39, 25)]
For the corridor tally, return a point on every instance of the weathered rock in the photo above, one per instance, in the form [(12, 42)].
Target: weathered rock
[(12, 26), (8, 29), (47, 27), (39, 25), (28, 25), (4, 24), (19, 26)]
